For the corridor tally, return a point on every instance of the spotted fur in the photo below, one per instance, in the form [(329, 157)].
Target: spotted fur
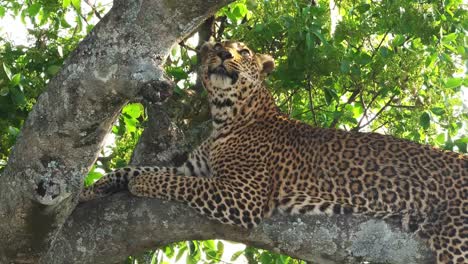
[(258, 160)]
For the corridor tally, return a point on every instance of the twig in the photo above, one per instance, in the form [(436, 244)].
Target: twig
[(351, 99), (365, 110), (93, 7), (381, 125), (374, 52), (376, 115), (289, 98), (222, 26), (311, 103)]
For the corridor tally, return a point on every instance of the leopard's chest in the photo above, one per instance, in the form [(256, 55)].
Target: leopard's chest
[(241, 148)]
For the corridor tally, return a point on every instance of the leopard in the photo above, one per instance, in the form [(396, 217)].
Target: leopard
[(257, 161)]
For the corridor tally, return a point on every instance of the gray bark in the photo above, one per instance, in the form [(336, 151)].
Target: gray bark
[(110, 229), (64, 132)]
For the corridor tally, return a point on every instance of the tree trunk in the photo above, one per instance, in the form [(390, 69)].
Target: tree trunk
[(64, 133)]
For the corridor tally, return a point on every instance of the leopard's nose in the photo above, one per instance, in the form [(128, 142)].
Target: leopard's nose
[(224, 55)]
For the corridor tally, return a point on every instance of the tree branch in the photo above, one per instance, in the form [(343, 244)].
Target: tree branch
[(311, 102), (107, 230)]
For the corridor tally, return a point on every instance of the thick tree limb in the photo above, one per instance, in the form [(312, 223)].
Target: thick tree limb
[(108, 230), (64, 132)]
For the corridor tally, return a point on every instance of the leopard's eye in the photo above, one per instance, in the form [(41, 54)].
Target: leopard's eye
[(217, 47), (245, 53)]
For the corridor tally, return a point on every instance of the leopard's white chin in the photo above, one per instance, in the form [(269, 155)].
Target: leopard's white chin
[(221, 81)]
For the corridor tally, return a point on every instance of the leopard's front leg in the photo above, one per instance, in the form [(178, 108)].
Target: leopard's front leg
[(231, 199), (117, 180)]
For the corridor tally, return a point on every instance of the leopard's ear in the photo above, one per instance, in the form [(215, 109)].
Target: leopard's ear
[(267, 63)]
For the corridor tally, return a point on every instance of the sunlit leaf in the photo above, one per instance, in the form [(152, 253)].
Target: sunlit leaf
[(134, 110), (92, 177), (236, 255), (453, 83), (2, 11), (15, 79), (65, 3), (76, 4), (169, 251), (449, 38)]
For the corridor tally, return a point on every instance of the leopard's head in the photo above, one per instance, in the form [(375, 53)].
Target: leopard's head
[(230, 66)]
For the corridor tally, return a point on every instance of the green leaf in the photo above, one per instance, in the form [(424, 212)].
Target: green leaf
[(398, 40), (385, 52), (7, 71), (134, 110), (220, 250), (169, 251), (180, 253), (364, 58), (330, 95), (236, 255), (13, 131), (355, 71), (438, 111), (92, 177), (76, 4), (17, 95), (453, 83), (461, 144), (440, 139), (177, 72), (425, 120), (461, 50), (265, 258), (320, 36), (309, 42), (64, 23), (251, 4), (2, 11), (240, 11), (15, 79), (449, 38), (34, 9), (53, 69), (363, 8), (4, 91), (209, 244), (344, 67), (130, 124), (65, 3)]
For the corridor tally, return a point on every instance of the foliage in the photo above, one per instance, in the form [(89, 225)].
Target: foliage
[(390, 66)]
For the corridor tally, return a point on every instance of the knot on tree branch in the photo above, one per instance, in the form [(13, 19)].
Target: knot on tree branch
[(156, 91)]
